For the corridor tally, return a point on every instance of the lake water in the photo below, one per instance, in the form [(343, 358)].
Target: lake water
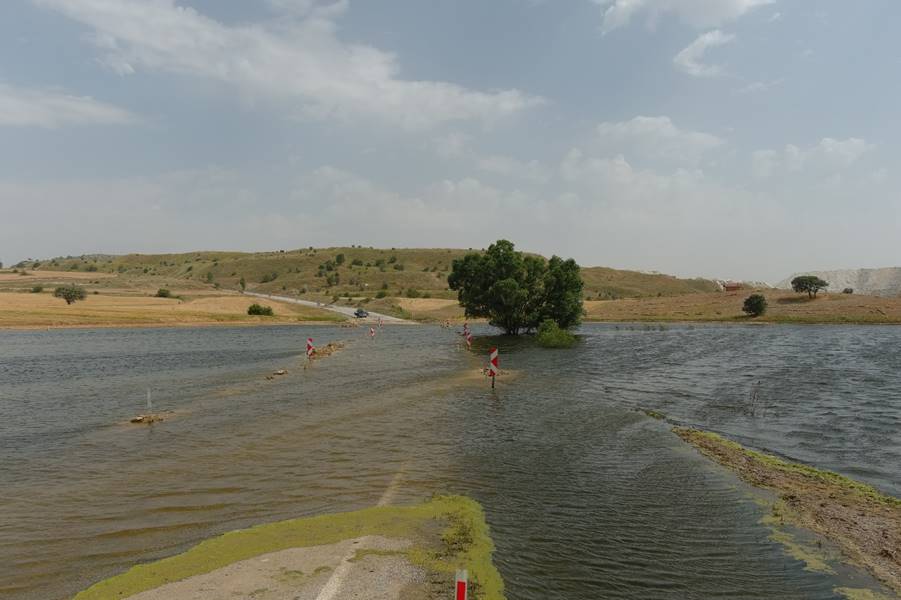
[(587, 497)]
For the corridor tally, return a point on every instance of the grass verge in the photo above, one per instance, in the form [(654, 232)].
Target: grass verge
[(464, 544)]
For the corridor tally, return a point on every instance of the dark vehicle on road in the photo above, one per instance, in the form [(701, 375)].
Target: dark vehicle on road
[(361, 314)]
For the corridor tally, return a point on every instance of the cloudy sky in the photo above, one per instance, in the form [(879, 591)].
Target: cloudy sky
[(725, 138)]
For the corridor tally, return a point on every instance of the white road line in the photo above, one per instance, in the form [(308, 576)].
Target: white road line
[(331, 588)]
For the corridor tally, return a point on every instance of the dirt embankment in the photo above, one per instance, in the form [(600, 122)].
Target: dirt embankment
[(864, 523)]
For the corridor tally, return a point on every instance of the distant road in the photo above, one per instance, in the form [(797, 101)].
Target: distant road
[(344, 310)]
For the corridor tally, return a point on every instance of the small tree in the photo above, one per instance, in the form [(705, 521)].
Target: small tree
[(37, 289), (810, 284), (70, 293), (163, 293), (243, 284), (258, 310), (755, 305), (339, 259)]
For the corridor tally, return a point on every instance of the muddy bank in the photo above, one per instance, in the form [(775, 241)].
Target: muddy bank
[(864, 523), (387, 552)]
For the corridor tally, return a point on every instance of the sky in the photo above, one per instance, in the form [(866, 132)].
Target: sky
[(736, 139)]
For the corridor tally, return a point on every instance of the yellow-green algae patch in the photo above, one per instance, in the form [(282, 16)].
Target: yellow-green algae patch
[(465, 544)]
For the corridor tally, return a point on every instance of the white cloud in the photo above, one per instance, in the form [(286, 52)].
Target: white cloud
[(697, 13), (451, 145), (828, 155), (758, 87), (23, 107), (690, 59), (656, 138), (532, 171), (299, 62)]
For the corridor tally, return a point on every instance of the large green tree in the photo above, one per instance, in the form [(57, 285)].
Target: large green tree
[(515, 291), (810, 284)]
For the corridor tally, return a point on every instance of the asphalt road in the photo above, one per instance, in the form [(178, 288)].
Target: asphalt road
[(344, 310)]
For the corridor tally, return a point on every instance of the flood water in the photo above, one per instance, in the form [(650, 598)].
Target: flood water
[(586, 496)]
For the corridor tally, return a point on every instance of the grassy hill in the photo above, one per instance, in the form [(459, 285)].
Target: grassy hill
[(320, 273)]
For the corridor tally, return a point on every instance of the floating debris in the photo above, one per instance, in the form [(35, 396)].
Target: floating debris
[(327, 350), (149, 419)]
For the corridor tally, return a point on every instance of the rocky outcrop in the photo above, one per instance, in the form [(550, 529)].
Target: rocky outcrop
[(873, 282)]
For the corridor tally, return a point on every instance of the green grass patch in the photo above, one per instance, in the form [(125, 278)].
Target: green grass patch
[(465, 544)]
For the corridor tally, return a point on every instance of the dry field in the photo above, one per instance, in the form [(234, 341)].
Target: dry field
[(43, 310), (784, 307), (431, 309)]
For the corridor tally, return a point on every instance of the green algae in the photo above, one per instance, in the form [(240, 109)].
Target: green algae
[(465, 544)]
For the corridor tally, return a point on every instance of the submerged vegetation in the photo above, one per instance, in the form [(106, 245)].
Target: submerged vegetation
[(550, 335), (461, 541)]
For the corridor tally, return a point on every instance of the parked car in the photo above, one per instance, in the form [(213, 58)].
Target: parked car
[(361, 314)]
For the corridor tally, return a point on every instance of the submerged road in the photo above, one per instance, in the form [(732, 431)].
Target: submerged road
[(347, 311)]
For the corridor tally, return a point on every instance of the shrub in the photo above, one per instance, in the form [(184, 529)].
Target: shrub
[(37, 289), (269, 277), (339, 259), (381, 294), (412, 293), (398, 267), (755, 305), (356, 262), (258, 310), (70, 293), (551, 336), (243, 284), (163, 293)]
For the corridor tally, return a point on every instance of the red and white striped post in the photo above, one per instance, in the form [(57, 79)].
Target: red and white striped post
[(493, 365), (372, 332), (460, 587), (310, 348)]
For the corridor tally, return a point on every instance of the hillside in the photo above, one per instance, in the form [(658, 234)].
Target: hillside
[(325, 273), (874, 282)]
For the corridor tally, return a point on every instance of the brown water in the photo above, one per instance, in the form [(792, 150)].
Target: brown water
[(586, 497)]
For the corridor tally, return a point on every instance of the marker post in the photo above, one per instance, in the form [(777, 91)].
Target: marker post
[(310, 351), (493, 365), (460, 586)]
